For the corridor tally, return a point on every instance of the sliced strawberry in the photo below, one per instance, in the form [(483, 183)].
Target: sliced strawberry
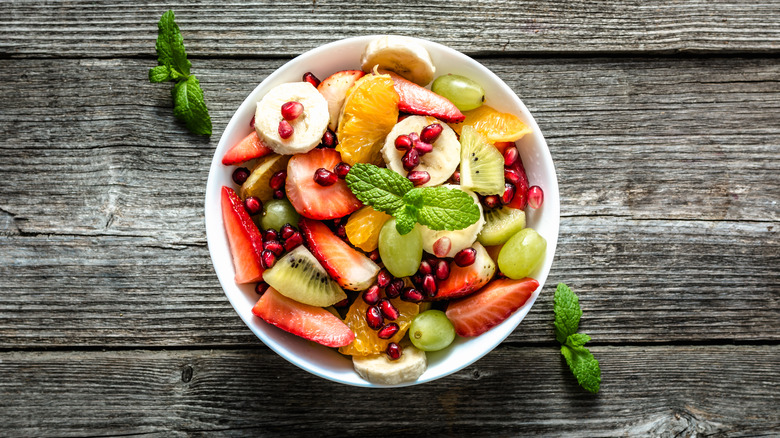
[(489, 307), (334, 88), (245, 240), (468, 279), (418, 100), (248, 148), (309, 322), (311, 199), (351, 269), (521, 188)]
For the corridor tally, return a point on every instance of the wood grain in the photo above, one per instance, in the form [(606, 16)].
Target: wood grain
[(283, 29)]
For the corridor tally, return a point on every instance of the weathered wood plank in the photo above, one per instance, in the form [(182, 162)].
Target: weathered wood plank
[(271, 28), (646, 391)]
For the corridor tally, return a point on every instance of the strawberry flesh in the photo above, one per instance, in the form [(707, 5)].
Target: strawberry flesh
[(311, 199), (490, 306), (249, 148), (418, 100), (466, 280), (246, 242), (309, 322)]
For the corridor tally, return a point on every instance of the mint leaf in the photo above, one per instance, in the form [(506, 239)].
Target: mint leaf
[(577, 340), (378, 187), (170, 46), (161, 73), (190, 107), (584, 366), (567, 313), (405, 220), (441, 208)]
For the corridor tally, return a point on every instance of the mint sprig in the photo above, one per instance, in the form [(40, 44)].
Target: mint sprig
[(581, 361), (438, 208), (189, 105)]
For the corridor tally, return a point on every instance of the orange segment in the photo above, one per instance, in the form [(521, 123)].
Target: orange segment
[(363, 228), (495, 126), (366, 340), (370, 111)]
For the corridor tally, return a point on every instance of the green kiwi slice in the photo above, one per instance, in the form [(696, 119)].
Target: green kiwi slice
[(501, 224), (299, 276), (481, 164)]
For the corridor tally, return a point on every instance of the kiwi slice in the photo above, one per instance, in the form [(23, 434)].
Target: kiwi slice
[(501, 224), (481, 164), (299, 276), (258, 182)]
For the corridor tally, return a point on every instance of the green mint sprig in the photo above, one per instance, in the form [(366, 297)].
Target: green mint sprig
[(581, 361), (438, 208), (189, 104)]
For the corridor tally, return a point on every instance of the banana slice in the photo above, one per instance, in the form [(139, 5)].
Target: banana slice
[(401, 55), (440, 163), (458, 239), (308, 128), (379, 369)]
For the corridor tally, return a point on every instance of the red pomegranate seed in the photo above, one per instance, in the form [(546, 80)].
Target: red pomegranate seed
[(455, 177), (277, 180), (393, 290), (491, 201), (510, 156), (423, 147), (285, 129), (374, 317), (412, 295), (261, 287), (292, 110), (287, 231), (342, 169), (411, 159), (511, 176), (535, 196), (429, 285), (341, 231), (342, 303), (278, 194), (388, 331), (442, 246), (325, 177), (252, 123), (430, 133), (329, 139), (419, 177), (425, 268), (373, 255), (384, 278), (371, 295), (393, 351), (509, 193), (253, 205), (310, 78), (442, 270), (416, 279), (403, 143), (293, 241), (274, 246), (270, 234), (388, 309), (465, 257), (240, 175), (267, 259)]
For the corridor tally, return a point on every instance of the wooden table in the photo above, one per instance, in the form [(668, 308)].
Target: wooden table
[(663, 119)]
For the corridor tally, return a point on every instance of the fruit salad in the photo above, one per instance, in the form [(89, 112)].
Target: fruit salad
[(382, 211)]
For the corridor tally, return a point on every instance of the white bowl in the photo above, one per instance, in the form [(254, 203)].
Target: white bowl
[(323, 61)]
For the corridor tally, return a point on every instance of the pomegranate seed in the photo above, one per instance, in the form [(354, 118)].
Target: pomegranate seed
[(267, 259), (419, 177), (403, 143), (270, 234), (240, 175), (510, 156), (465, 257), (388, 309), (329, 139), (509, 193), (384, 278), (442, 247), (293, 241), (411, 159), (287, 231), (442, 270), (388, 331), (342, 169), (416, 279), (430, 133), (277, 180), (393, 289), (274, 246), (252, 123), (292, 110), (325, 177), (374, 317), (393, 351), (425, 268), (455, 177), (423, 147), (491, 201), (412, 295), (429, 285), (310, 78), (373, 255), (253, 205), (341, 231), (535, 196), (414, 137), (278, 194), (371, 295), (342, 303), (511, 176), (285, 129), (261, 287)]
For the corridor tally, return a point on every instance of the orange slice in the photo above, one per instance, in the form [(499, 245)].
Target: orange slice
[(370, 111), (363, 228), (495, 126), (366, 340)]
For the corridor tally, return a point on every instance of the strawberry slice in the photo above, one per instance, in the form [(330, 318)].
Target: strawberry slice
[(311, 199), (245, 240), (351, 269), (468, 279), (309, 322), (248, 148), (418, 100), (334, 88), (491, 306)]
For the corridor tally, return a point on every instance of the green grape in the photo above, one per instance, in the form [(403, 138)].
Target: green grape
[(521, 254), (278, 212), (400, 254), (431, 331), (460, 90)]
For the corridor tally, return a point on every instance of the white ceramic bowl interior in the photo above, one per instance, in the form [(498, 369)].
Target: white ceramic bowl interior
[(323, 61)]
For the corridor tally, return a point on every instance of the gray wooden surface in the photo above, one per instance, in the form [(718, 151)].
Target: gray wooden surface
[(664, 124)]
